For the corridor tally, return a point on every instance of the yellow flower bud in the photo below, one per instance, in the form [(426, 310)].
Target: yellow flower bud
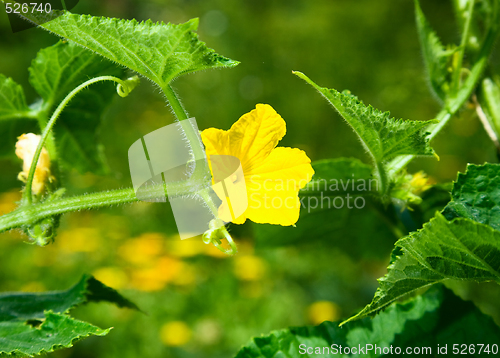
[(25, 150)]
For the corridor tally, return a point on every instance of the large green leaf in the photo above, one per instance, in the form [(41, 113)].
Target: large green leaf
[(461, 249), (382, 136), (436, 58), (33, 323), (476, 195), (436, 319), (57, 331), (55, 72), (158, 51)]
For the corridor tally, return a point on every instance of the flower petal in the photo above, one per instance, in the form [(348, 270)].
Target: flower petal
[(251, 138), (288, 164), (274, 186)]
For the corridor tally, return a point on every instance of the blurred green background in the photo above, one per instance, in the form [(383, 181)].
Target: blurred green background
[(199, 303)]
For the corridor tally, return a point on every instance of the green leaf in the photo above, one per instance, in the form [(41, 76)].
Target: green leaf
[(25, 306), (12, 101), (461, 249), (433, 199), (158, 51), (58, 69), (341, 176), (55, 72), (476, 195), (436, 319), (57, 331), (14, 114), (382, 136), (437, 59), (35, 323)]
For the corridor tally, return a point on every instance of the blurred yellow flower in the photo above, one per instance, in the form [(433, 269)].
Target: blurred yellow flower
[(147, 279), (186, 275), (323, 311), (83, 239), (161, 271), (175, 333), (112, 277), (186, 248), (273, 176), (143, 249), (25, 150), (249, 268), (168, 268)]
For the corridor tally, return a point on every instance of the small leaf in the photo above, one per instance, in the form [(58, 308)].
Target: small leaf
[(476, 195), (12, 101), (422, 322), (14, 114), (55, 72), (382, 136), (437, 59), (158, 51), (56, 331), (25, 306), (461, 249)]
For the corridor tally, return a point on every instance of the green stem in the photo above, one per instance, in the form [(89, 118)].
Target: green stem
[(463, 95), (381, 176), (27, 195), (174, 102), (463, 43), (201, 170), (191, 133), (50, 144), (27, 215)]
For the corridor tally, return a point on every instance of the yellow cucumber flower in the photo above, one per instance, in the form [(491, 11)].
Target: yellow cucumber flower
[(273, 176), (25, 150)]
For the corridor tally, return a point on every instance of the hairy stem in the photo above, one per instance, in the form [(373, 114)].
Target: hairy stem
[(456, 103), (463, 43), (191, 133), (27, 195), (30, 214), (201, 170)]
